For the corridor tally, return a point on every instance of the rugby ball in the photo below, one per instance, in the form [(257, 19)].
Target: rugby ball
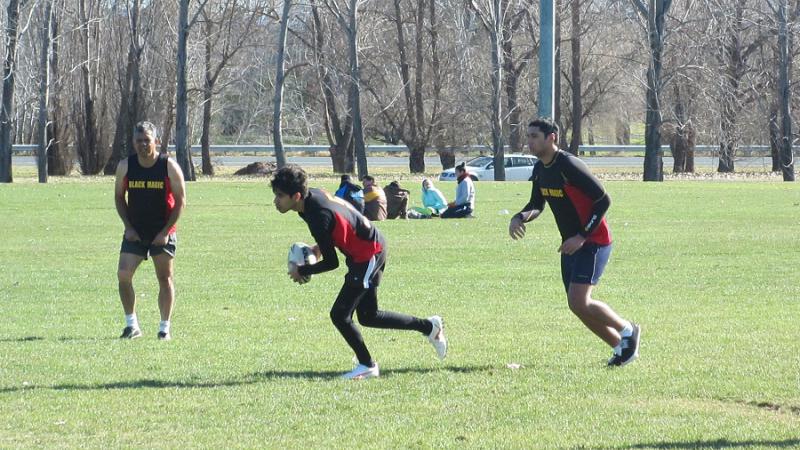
[(300, 254)]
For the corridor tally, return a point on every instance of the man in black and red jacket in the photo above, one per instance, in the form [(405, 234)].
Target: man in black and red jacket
[(335, 224), (579, 204)]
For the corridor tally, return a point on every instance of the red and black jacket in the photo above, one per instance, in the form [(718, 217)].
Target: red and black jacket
[(334, 224), (577, 198)]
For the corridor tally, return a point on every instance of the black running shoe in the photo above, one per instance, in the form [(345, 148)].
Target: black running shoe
[(131, 333), (164, 336), (629, 349)]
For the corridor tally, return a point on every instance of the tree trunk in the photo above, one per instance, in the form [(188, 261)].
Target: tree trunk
[(91, 155), (653, 157), (497, 81), (277, 133), (577, 100), (729, 142), (784, 83), (166, 129), (208, 87), (417, 158), (447, 157), (775, 135), (183, 149), (7, 111), (678, 142), (44, 89), (653, 161), (557, 69), (59, 156), (355, 101), (622, 132)]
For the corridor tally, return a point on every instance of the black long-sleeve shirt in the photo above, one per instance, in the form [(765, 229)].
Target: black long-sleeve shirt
[(577, 198)]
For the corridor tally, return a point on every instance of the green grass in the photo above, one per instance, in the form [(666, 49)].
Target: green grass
[(708, 268)]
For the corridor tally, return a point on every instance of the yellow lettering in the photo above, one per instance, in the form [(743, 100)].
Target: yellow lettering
[(547, 192)]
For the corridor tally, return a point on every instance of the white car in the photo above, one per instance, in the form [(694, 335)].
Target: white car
[(518, 168)]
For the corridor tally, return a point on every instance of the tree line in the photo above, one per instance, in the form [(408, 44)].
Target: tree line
[(433, 75)]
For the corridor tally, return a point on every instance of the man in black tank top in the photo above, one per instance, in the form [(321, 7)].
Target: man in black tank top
[(155, 199)]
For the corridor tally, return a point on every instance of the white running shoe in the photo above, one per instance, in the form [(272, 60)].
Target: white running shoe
[(362, 372), (436, 338)]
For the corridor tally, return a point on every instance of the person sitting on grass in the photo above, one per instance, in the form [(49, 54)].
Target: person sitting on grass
[(433, 202), (396, 201), (465, 196), (374, 199), (351, 193)]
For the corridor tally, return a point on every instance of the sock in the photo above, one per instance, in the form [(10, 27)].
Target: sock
[(131, 320), (626, 331), (164, 326)]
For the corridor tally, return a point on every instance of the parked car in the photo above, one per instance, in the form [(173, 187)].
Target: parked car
[(518, 168)]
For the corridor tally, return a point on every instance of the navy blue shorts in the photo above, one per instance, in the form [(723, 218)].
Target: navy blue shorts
[(586, 265)]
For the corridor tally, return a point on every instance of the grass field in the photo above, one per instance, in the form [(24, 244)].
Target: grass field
[(708, 268)]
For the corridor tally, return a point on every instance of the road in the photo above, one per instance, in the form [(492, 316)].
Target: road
[(632, 162)]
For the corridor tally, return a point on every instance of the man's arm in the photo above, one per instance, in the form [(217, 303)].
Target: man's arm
[(516, 229), (178, 187), (120, 187), (321, 228)]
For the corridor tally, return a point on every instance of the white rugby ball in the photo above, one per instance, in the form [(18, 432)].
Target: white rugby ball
[(301, 254)]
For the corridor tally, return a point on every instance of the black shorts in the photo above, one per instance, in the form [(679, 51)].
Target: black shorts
[(586, 265), (367, 274), (142, 248)]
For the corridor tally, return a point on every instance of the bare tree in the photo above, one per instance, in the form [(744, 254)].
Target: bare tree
[(228, 27), (654, 15), (280, 75), (348, 20), (44, 85), (91, 149), (183, 151), (785, 93), (7, 111), (130, 111), (491, 15), (59, 155), (577, 95), (515, 18)]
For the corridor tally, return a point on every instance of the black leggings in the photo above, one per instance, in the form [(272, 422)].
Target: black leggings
[(355, 298)]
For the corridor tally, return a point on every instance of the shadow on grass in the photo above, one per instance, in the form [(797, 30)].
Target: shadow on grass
[(322, 375), (22, 339), (253, 378), (719, 443), (59, 339)]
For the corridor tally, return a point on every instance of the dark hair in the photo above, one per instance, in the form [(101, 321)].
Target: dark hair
[(369, 178), (345, 177), (547, 126), (146, 127), (462, 167), (290, 180)]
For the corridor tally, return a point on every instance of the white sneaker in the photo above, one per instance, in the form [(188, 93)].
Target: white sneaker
[(436, 338), (362, 372)]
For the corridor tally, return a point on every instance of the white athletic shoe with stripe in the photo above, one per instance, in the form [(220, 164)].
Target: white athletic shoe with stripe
[(362, 372), (436, 338)]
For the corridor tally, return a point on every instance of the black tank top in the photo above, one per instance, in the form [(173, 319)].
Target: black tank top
[(150, 199)]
